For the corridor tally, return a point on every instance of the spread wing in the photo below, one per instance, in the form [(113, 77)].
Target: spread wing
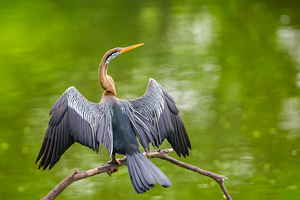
[(160, 109), (75, 119), (142, 127)]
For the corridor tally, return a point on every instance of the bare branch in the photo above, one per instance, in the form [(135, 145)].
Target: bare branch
[(219, 178), (162, 154)]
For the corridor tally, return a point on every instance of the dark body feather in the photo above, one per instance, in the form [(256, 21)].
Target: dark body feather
[(142, 171), (124, 139)]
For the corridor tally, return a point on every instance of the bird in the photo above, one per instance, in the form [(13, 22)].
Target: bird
[(118, 125)]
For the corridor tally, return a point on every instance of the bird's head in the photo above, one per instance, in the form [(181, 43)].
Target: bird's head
[(111, 54), (106, 81)]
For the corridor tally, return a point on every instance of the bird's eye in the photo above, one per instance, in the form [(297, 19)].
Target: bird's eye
[(111, 56)]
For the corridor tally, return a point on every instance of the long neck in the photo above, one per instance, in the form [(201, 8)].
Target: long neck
[(106, 81)]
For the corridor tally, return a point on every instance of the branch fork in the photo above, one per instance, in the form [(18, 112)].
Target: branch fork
[(162, 154)]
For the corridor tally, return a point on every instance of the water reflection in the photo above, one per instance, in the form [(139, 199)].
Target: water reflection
[(290, 117), (288, 41)]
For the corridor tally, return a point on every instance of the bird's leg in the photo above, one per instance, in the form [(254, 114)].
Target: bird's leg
[(147, 154), (113, 161)]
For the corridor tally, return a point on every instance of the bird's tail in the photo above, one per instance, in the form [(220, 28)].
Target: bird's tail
[(143, 173)]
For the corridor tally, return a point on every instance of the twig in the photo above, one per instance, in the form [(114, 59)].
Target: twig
[(162, 154), (219, 178)]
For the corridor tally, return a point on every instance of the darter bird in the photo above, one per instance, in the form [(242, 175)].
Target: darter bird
[(116, 124)]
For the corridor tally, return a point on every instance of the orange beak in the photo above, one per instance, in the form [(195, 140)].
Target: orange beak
[(130, 47)]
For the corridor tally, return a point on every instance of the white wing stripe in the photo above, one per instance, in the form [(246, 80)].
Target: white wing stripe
[(93, 114)]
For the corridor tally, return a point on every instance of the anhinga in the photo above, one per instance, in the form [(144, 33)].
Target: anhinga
[(115, 123)]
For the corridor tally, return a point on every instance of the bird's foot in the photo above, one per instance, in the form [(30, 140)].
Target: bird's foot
[(115, 161), (112, 171), (147, 154)]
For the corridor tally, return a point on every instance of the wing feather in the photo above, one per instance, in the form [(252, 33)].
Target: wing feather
[(159, 108), (75, 119), (142, 127)]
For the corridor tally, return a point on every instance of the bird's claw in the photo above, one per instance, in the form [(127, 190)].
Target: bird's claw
[(118, 161), (115, 161), (147, 154), (112, 171)]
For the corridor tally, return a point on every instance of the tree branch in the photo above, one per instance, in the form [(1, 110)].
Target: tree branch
[(162, 154), (219, 178)]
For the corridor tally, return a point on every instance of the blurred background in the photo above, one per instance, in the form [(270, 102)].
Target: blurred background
[(233, 67)]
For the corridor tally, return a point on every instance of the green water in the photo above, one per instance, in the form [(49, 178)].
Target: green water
[(233, 67)]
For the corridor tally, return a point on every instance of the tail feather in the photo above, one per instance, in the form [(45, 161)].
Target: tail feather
[(135, 181), (143, 173), (156, 173)]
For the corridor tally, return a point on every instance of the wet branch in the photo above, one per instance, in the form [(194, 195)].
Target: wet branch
[(162, 154)]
